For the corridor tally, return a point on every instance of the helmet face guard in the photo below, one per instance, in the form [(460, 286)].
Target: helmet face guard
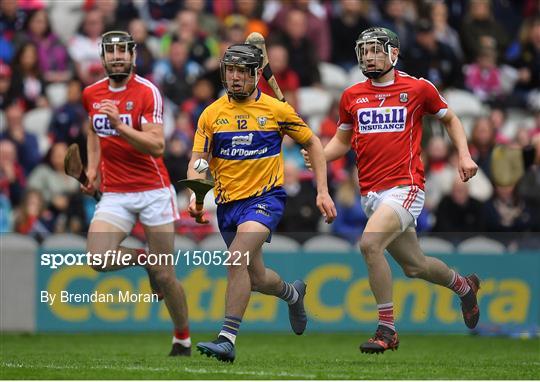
[(239, 70), (117, 49), (370, 47)]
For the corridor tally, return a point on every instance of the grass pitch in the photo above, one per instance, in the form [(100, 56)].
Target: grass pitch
[(266, 356)]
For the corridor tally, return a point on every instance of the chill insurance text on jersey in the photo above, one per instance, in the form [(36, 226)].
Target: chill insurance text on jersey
[(124, 168), (387, 129)]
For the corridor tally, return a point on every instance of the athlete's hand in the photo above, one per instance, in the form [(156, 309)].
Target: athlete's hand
[(307, 162), (109, 108), (90, 188), (467, 168), (195, 213), (326, 206)]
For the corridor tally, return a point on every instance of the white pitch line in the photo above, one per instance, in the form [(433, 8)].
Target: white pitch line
[(143, 368)]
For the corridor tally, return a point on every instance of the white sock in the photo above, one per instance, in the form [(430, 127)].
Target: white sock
[(231, 337), (185, 342)]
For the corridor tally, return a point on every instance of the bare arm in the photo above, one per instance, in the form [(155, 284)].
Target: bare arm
[(452, 124), (149, 140), (94, 157), (316, 154), (339, 145)]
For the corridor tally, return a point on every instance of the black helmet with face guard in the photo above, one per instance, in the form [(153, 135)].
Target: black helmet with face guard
[(245, 57), (122, 46)]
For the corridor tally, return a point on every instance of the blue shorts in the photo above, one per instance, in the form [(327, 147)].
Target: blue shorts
[(266, 209)]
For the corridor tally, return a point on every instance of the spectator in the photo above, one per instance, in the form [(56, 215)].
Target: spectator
[(157, 14), (5, 214), (286, 78), (177, 158), (68, 121), (252, 11), (351, 219), (61, 193), (482, 143), (346, 25), (442, 170), (483, 77), (201, 48), (528, 64), (506, 212), (458, 212), (395, 20), (497, 117), (11, 19), (235, 29), (7, 92), (480, 29), (52, 55), (528, 187), (84, 48), (444, 33), (144, 58), (12, 179), (317, 25), (208, 23), (431, 59), (26, 80), (301, 217), (177, 74), (32, 218), (302, 55), (26, 143), (203, 95)]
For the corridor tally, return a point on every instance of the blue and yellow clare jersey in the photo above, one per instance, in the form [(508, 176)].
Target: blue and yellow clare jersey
[(244, 140)]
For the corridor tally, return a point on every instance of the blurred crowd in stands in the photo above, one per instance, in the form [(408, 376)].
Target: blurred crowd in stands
[(484, 55)]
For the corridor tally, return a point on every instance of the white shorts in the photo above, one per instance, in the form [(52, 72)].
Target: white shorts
[(406, 201), (153, 207)]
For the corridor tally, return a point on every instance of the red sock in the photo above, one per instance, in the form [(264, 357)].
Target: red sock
[(181, 334), (459, 284), (386, 315)]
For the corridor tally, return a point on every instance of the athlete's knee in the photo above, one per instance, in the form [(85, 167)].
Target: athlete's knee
[(164, 277), (370, 246), (257, 281), (415, 270)]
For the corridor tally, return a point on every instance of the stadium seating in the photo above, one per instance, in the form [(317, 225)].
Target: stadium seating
[(65, 241), (36, 121), (327, 243), (480, 245), (183, 243), (333, 78), (281, 243), (314, 101), (435, 245), (355, 76), (14, 242), (213, 242), (56, 94)]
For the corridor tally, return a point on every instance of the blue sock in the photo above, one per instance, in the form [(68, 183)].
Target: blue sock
[(288, 293), (230, 328)]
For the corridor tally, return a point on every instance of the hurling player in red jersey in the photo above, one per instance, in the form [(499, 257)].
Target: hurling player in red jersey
[(381, 119), (126, 144)]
